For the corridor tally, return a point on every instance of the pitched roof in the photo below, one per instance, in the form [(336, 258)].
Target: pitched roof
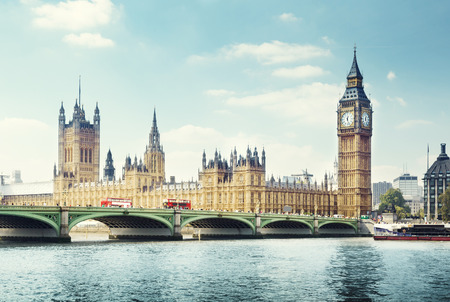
[(34, 188)]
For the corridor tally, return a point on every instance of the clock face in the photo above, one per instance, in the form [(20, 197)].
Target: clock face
[(347, 119), (365, 119)]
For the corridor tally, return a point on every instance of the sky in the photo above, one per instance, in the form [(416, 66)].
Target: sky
[(224, 75)]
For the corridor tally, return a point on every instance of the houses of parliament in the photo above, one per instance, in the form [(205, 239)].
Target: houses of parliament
[(237, 184)]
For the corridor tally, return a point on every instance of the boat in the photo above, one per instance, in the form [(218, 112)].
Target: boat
[(429, 232)]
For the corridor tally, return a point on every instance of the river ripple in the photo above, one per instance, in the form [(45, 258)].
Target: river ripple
[(352, 269)]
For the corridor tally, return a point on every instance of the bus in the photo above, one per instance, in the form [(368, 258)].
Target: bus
[(116, 203), (179, 204)]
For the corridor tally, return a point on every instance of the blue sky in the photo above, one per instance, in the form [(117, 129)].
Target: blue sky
[(224, 74)]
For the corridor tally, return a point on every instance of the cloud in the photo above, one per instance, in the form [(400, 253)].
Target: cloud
[(308, 103), (299, 72), (267, 53), (399, 100), (74, 15), (288, 17), (19, 138), (219, 92), (391, 75), (88, 40), (327, 40), (413, 123), (19, 126)]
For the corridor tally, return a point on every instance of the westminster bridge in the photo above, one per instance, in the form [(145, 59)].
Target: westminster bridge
[(51, 223)]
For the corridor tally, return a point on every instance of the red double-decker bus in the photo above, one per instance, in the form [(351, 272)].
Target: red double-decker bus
[(179, 204), (116, 203)]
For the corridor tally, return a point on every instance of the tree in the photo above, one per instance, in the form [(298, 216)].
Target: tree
[(393, 202), (444, 199), (420, 214)]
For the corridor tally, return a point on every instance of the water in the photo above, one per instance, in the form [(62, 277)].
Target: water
[(353, 269)]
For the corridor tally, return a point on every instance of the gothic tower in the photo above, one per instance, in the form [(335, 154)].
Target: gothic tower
[(154, 158), (78, 148), (109, 170), (354, 127)]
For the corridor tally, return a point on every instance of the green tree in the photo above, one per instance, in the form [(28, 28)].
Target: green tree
[(393, 202), (403, 212), (420, 214), (444, 199)]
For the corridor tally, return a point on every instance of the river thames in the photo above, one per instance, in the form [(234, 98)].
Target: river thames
[(340, 269)]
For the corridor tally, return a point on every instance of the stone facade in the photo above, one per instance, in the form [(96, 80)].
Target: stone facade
[(354, 123), (239, 185)]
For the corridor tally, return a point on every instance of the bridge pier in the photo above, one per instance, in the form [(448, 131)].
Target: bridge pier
[(365, 227), (316, 225), (258, 233), (64, 226), (177, 226)]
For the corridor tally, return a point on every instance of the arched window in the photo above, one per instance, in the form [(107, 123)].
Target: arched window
[(81, 154), (90, 155), (85, 155)]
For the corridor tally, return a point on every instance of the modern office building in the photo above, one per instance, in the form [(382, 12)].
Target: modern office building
[(412, 192), (378, 189), (436, 181)]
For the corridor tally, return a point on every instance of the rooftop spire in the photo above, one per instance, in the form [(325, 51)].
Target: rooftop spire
[(355, 88), (79, 89), (154, 118), (154, 134), (354, 70)]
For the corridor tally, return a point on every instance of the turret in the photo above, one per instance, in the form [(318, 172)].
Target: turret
[(96, 116), (263, 159), (216, 159), (62, 116), (76, 113), (204, 160)]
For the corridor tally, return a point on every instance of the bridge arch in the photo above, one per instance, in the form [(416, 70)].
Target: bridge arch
[(266, 222), (103, 217), (216, 222), (47, 219), (326, 227)]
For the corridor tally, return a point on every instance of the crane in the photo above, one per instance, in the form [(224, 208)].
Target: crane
[(305, 175)]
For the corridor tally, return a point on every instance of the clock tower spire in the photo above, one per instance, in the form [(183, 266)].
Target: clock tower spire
[(354, 127)]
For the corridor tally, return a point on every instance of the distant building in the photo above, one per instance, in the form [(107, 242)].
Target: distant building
[(15, 177), (436, 181), (36, 193), (109, 170), (378, 189), (412, 192)]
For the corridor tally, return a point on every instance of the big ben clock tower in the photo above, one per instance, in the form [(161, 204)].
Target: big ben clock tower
[(354, 126)]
